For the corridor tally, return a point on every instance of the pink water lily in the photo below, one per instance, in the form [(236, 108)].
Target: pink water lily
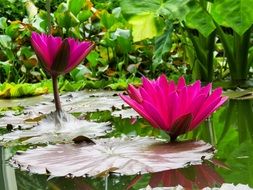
[(59, 56), (174, 108)]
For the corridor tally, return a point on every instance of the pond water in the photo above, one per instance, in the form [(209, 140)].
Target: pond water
[(230, 130)]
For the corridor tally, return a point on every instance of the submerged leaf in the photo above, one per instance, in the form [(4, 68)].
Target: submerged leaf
[(127, 156)]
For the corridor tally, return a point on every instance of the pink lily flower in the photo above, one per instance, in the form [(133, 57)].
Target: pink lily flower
[(59, 56), (174, 108)]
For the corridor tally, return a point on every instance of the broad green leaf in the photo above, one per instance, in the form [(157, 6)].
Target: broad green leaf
[(13, 29), (93, 58), (199, 19), (123, 39), (176, 9), (64, 17), (3, 23), (5, 41), (133, 7), (11, 90), (6, 65), (107, 20), (144, 26), (75, 6), (84, 15), (79, 72), (163, 44), (6, 45), (236, 14)]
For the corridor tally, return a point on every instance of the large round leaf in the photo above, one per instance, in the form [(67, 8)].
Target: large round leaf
[(127, 156)]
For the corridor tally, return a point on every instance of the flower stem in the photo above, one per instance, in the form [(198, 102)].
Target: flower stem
[(173, 138), (56, 94)]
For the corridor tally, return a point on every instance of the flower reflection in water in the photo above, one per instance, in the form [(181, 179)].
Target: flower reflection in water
[(196, 176)]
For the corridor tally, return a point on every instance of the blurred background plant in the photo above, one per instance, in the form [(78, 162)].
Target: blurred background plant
[(133, 38)]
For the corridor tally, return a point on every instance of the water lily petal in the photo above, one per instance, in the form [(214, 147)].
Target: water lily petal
[(139, 109), (40, 49), (181, 83), (134, 93), (205, 112), (54, 58), (154, 114), (78, 52)]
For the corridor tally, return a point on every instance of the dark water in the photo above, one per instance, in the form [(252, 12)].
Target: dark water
[(230, 130)]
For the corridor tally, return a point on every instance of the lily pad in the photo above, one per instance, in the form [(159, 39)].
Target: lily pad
[(128, 156), (75, 102), (54, 129), (225, 186), (28, 101), (83, 101), (125, 113), (22, 121)]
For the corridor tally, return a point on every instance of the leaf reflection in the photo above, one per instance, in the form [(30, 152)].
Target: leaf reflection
[(196, 176)]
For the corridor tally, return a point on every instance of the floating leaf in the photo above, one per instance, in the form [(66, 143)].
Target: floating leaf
[(225, 186), (125, 113), (75, 102), (22, 121), (83, 101), (127, 156), (55, 129)]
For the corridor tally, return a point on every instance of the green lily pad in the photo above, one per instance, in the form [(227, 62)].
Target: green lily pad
[(128, 156)]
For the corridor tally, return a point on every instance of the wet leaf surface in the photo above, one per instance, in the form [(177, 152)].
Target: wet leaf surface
[(127, 156), (126, 113), (76, 102), (22, 121), (56, 130), (29, 101), (81, 102), (225, 186)]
